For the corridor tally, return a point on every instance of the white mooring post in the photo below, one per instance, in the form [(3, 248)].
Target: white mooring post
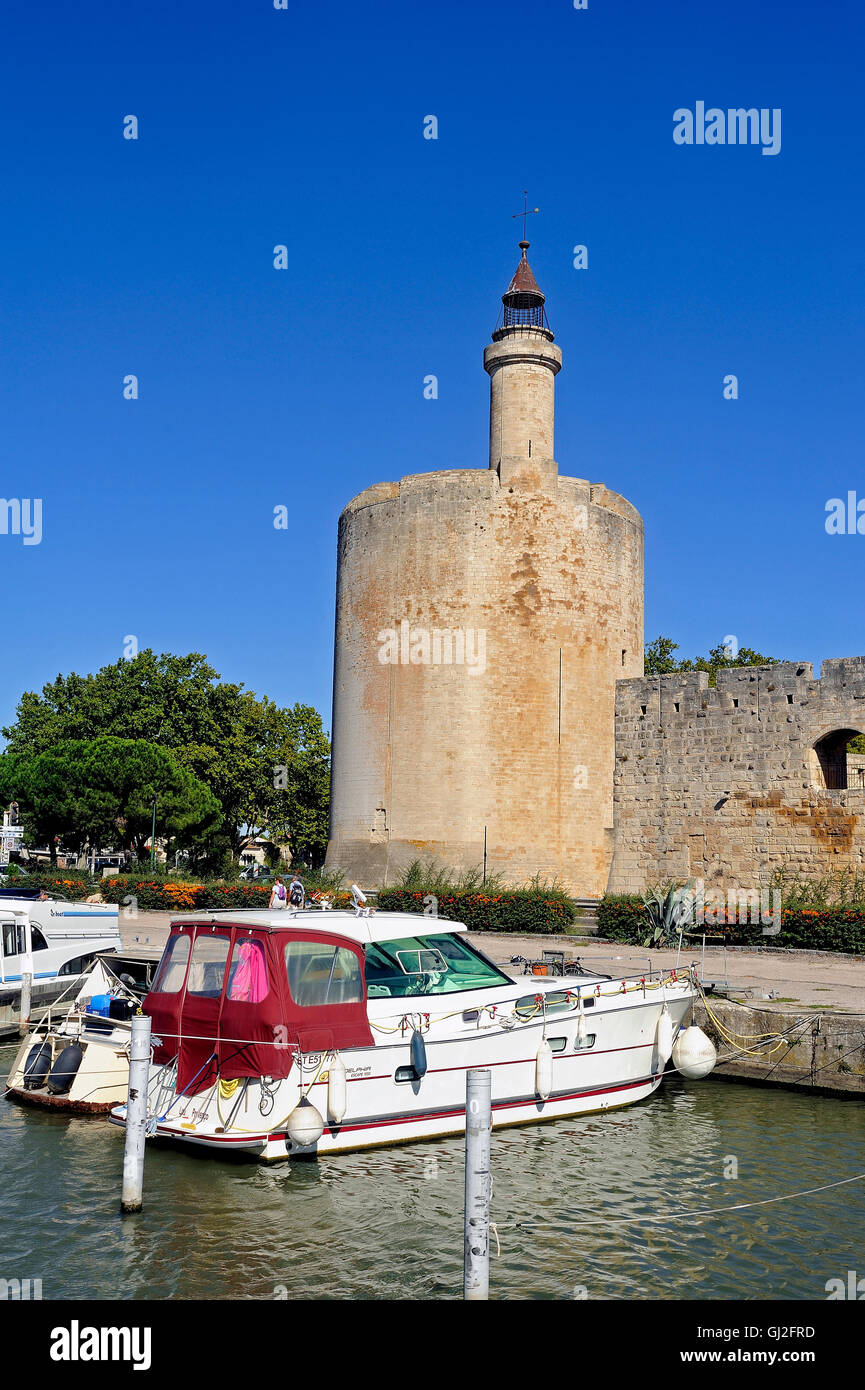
[(476, 1279), (136, 1115), (24, 1020)]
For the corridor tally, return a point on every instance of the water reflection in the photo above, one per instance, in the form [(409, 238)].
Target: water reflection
[(388, 1223)]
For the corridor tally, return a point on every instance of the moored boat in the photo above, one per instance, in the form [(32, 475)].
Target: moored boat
[(77, 1058), (53, 941), (283, 1034)]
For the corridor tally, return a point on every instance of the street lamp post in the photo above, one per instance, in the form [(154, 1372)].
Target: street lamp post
[(153, 837)]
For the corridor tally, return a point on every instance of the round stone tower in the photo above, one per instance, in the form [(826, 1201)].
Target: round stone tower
[(483, 618)]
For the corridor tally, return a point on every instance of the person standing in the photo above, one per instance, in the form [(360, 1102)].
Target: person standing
[(278, 895), (296, 892)]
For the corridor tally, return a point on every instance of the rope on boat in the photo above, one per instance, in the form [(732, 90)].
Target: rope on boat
[(641, 983)]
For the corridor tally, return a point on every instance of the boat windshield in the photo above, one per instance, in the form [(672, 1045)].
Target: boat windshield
[(440, 964)]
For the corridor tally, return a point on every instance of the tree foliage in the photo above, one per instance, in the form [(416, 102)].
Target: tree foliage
[(103, 790), (268, 767), (660, 659)]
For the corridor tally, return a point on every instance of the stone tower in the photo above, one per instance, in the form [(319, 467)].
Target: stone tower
[(483, 617)]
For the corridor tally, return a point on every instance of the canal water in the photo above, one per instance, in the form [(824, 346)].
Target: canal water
[(567, 1199)]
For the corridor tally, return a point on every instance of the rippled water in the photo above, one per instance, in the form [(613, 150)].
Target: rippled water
[(388, 1224)]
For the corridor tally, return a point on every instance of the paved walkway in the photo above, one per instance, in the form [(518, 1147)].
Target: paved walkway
[(798, 978)]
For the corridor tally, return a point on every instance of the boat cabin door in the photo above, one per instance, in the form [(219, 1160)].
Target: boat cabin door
[(16, 956)]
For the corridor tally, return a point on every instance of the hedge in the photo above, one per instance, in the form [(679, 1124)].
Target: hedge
[(513, 911), (164, 895), (623, 918)]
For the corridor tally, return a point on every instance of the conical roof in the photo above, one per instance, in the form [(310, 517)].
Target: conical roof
[(523, 281)]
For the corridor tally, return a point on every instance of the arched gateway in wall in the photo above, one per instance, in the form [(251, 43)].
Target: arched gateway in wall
[(731, 783)]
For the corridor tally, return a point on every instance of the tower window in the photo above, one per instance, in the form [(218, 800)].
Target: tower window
[(735, 704), (624, 654), (676, 706), (530, 448)]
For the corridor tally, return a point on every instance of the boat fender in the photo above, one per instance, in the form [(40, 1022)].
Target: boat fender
[(336, 1097), (694, 1054), (544, 1070), (581, 1026), (664, 1038), (37, 1066), (305, 1124), (64, 1070), (417, 1053)]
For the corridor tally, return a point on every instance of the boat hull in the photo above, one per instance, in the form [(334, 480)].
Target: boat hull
[(101, 1081), (616, 1062)]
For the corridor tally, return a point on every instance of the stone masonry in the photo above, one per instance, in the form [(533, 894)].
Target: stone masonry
[(728, 784), (440, 757)]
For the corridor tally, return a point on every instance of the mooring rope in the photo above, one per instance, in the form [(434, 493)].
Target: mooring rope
[(709, 1211)]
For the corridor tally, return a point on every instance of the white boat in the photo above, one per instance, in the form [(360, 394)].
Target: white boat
[(53, 941), (77, 1057), (283, 1034)]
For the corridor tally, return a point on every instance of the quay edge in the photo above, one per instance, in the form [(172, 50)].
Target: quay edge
[(826, 1052)]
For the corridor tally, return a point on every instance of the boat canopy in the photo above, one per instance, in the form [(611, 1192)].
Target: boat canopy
[(235, 1000)]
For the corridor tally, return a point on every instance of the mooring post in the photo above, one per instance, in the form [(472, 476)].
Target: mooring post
[(136, 1114), (476, 1279), (26, 991)]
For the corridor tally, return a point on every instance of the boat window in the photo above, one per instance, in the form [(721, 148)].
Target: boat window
[(39, 942), (247, 977), (421, 962), (588, 1041), (535, 1005), (13, 938), (438, 964), (172, 967), (207, 969), (557, 1044), (76, 966), (322, 974)]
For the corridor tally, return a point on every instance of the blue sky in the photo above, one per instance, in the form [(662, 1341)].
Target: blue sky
[(261, 388)]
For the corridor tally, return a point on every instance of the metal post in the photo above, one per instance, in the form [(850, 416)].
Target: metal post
[(24, 1020), (153, 836), (136, 1115), (485, 854), (476, 1277)]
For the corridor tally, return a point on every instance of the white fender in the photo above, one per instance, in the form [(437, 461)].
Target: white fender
[(544, 1070), (694, 1054), (581, 1026), (304, 1125), (664, 1038), (336, 1087)]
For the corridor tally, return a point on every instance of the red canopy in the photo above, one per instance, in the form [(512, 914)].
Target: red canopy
[(225, 1007)]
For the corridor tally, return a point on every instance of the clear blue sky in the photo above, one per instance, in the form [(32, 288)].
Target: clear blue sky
[(260, 387)]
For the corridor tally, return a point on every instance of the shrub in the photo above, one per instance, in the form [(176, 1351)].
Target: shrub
[(623, 918), (515, 910)]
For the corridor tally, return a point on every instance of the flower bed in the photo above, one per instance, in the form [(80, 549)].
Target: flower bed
[(163, 894), (622, 918)]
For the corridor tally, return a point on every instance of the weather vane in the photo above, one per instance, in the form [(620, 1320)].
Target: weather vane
[(526, 212)]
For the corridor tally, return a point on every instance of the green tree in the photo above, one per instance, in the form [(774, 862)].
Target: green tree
[(103, 791), (229, 739), (660, 660)]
